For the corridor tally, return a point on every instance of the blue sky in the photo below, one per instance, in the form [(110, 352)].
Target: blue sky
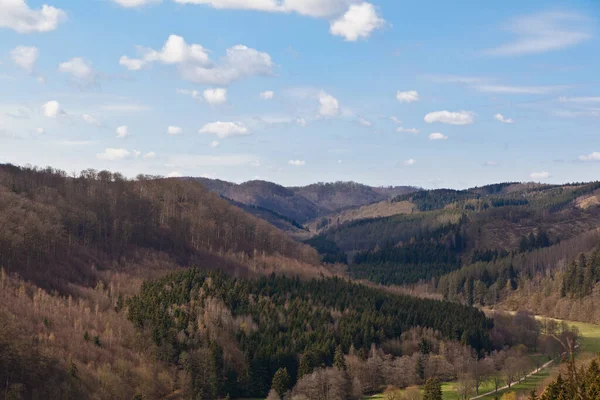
[(428, 93)]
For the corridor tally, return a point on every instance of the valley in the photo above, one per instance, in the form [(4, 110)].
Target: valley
[(158, 287)]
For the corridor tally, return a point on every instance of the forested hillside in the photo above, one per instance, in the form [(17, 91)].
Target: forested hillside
[(298, 205), (447, 230), (59, 228)]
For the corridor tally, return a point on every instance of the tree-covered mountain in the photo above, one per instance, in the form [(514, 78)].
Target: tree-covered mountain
[(436, 232), (301, 204)]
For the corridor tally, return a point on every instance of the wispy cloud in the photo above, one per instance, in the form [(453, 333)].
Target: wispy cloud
[(510, 89), (543, 32)]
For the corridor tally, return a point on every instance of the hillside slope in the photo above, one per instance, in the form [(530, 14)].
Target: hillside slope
[(300, 204), (57, 228)]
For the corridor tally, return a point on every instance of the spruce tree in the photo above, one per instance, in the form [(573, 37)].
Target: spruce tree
[(432, 390), (281, 381)]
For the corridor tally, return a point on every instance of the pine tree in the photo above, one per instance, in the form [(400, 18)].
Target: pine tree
[(339, 361), (281, 381), (432, 389)]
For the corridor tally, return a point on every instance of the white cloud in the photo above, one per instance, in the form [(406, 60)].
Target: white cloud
[(125, 107), (137, 153), (410, 162), (225, 129), (40, 131), (91, 120), (543, 32), (81, 71), (437, 136), (135, 3), (508, 89), (215, 96), (195, 161), (539, 175), (112, 154), (76, 142), (396, 120), (174, 130), (240, 62), (18, 16), (401, 129), (25, 57), (195, 64), (452, 118), (490, 164), (174, 174), (122, 131), (584, 100), (407, 97), (174, 51), (467, 80), (330, 106), (364, 122), (503, 119), (595, 156), (297, 163), (149, 155), (301, 122), (52, 109), (214, 144), (192, 93), (358, 22), (312, 8), (267, 95)]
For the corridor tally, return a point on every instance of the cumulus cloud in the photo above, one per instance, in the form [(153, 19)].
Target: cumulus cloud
[(122, 131), (267, 95), (18, 16), (174, 174), (40, 131), (297, 163), (410, 162), (174, 130), (595, 156), (174, 51), (364, 122), (135, 3), (312, 8), (149, 155), (437, 136), (214, 144), (330, 106), (52, 109), (195, 64), (225, 129), (401, 129), (358, 22), (452, 118), (25, 57), (396, 120), (503, 119), (112, 154), (539, 175), (91, 120), (408, 97), (301, 122), (215, 96), (80, 70), (543, 32)]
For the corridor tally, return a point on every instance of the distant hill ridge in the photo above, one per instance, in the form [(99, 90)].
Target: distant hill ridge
[(303, 203)]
